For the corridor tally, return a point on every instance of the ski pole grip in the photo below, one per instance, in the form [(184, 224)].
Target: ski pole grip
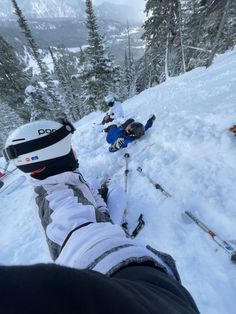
[(126, 155)]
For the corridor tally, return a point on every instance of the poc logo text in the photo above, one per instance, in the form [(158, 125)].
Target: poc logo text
[(46, 131)]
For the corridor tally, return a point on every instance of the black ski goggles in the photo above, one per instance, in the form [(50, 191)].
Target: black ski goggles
[(13, 151)]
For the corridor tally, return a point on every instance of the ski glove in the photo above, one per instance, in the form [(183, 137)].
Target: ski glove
[(152, 118), (107, 119), (117, 145)]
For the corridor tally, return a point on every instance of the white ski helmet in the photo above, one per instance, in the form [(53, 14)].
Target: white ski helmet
[(110, 100), (38, 143)]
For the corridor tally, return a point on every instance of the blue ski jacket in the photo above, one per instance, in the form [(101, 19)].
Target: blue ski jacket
[(119, 132)]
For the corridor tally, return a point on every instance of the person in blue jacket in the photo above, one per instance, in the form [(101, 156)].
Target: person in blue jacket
[(120, 137)]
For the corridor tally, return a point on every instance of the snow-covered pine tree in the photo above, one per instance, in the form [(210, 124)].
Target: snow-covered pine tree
[(13, 80), (144, 73), (229, 31), (82, 57), (37, 102), (196, 53), (210, 27), (163, 36), (98, 72), (8, 122), (53, 101), (65, 65), (220, 25), (130, 68), (125, 79)]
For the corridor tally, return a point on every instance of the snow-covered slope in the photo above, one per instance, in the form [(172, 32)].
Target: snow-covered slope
[(190, 152)]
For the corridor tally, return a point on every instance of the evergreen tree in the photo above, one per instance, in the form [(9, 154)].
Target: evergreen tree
[(163, 36), (98, 72), (144, 74), (210, 27), (183, 34), (82, 56), (13, 80), (224, 12), (37, 102), (65, 65), (229, 30), (54, 109), (129, 72), (125, 81), (8, 122)]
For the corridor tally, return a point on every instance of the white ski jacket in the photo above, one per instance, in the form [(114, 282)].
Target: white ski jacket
[(116, 111), (79, 230)]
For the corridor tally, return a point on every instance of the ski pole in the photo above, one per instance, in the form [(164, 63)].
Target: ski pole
[(139, 227), (222, 243), (126, 155), (156, 185), (7, 171), (141, 221)]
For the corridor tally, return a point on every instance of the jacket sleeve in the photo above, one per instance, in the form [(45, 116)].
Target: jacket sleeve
[(138, 289), (127, 141), (117, 111), (85, 240), (100, 204), (148, 124), (63, 208)]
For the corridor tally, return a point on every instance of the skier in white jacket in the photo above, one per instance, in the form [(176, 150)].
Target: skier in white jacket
[(115, 113), (80, 232)]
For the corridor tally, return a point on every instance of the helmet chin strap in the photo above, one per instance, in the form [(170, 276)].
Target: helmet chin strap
[(56, 166)]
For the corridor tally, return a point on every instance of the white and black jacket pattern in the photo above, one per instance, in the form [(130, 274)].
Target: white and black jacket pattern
[(80, 233)]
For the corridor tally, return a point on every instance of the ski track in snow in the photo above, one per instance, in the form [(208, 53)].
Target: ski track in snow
[(190, 152)]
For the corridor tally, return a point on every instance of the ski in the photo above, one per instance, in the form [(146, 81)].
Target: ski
[(5, 173), (155, 184), (139, 227), (141, 222), (1, 184), (11, 187), (222, 243)]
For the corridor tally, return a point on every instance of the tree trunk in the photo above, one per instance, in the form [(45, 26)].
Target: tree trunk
[(221, 26), (181, 36)]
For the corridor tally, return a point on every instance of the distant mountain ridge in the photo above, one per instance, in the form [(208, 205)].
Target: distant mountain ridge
[(72, 32), (69, 9)]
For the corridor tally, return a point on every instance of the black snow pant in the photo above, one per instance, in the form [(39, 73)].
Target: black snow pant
[(53, 289)]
